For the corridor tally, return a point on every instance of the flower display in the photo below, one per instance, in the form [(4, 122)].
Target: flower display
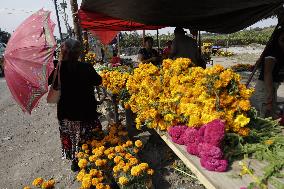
[(112, 156), (180, 93)]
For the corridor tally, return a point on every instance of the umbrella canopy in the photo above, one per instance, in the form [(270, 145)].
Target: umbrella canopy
[(28, 59), (220, 16)]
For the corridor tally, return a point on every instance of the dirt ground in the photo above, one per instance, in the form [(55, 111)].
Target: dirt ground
[(30, 145)]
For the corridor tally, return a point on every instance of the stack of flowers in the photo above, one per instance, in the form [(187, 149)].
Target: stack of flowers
[(114, 81), (90, 58), (204, 142), (180, 93), (111, 157), (242, 68), (41, 183)]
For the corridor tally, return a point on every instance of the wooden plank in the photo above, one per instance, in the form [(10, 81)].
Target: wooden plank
[(216, 180)]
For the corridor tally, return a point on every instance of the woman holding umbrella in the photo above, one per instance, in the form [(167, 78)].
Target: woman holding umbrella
[(77, 107)]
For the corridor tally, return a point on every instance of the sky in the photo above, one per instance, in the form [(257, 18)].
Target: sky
[(13, 12)]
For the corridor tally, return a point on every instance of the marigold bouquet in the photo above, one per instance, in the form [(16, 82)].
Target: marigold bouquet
[(180, 93)]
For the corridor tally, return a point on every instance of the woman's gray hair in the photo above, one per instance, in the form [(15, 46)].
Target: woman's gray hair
[(73, 45)]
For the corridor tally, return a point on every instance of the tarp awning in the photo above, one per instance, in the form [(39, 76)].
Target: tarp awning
[(100, 22), (220, 16)]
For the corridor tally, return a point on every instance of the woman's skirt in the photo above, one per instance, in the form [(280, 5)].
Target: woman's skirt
[(75, 133)]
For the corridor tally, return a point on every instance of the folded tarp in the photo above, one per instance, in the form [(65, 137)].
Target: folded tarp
[(219, 16)]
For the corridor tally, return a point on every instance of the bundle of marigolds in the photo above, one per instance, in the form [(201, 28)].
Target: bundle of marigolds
[(90, 58), (41, 183), (180, 93), (112, 157), (114, 81)]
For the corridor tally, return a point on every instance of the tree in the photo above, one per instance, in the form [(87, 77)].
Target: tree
[(4, 36)]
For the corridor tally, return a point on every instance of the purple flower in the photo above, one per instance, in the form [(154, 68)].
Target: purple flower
[(214, 164), (176, 132), (214, 132), (206, 150)]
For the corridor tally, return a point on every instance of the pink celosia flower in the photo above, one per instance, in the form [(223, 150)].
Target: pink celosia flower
[(176, 132), (191, 135), (192, 148), (214, 164), (214, 132), (209, 151)]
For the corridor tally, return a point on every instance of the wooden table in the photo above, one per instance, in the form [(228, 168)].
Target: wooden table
[(215, 180)]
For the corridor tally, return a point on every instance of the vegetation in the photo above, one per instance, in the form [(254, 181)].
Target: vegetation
[(244, 37)]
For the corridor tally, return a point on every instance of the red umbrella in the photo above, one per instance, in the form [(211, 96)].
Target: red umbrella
[(28, 59)]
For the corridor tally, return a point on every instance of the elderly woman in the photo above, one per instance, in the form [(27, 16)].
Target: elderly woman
[(77, 107)]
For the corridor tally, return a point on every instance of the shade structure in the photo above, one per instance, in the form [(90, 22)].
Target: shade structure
[(28, 59), (96, 21), (105, 36), (220, 16)]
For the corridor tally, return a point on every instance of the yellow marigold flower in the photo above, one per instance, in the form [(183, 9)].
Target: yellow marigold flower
[(119, 149), (129, 143), (126, 168), (117, 159), (242, 120), (138, 143), (133, 161), (81, 175), (80, 155), (38, 181), (244, 105), (95, 181), (87, 182), (100, 186), (27, 187), (44, 185), (122, 180), (143, 166), (168, 117), (135, 150), (244, 131), (128, 156), (150, 171), (135, 171), (107, 187), (82, 163), (115, 169), (269, 142), (93, 172), (111, 156), (99, 162), (85, 147)]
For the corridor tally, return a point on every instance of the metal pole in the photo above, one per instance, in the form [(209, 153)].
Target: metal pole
[(158, 42), (143, 37), (58, 21), (118, 44)]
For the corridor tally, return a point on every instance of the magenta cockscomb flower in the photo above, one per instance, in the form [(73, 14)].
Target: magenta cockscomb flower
[(214, 132), (209, 151), (211, 164), (191, 135), (192, 148), (176, 132)]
